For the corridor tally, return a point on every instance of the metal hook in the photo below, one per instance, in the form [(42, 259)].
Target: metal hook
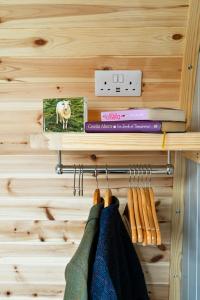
[(146, 179), (82, 180), (134, 172), (138, 176), (107, 177), (79, 181), (130, 177), (96, 177), (142, 176), (147, 175), (150, 176), (74, 180)]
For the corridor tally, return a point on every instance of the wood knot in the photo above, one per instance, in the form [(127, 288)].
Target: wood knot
[(40, 42), (106, 68), (23, 143), (177, 36), (42, 239), (35, 295), (93, 157), (39, 119), (156, 258), (65, 238), (162, 247), (16, 269), (157, 203)]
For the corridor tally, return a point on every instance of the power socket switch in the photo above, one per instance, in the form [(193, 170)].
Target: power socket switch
[(118, 83)]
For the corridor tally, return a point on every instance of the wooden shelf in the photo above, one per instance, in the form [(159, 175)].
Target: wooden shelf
[(189, 141)]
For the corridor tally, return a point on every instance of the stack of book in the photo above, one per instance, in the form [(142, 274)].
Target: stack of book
[(148, 120)]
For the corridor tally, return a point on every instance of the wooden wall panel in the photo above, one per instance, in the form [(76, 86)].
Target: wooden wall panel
[(148, 98), (95, 14), (62, 70), (29, 237), (190, 61), (190, 288), (55, 291), (51, 48), (146, 3), (81, 42)]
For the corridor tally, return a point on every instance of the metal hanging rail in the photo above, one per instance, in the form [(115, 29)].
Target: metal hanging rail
[(167, 169)]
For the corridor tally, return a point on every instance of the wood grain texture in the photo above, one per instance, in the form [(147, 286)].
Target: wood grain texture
[(190, 59), (62, 70), (51, 48), (42, 273), (56, 291), (43, 166), (84, 42), (177, 225), (56, 234), (121, 141), (62, 251), (73, 210), (145, 3), (92, 15), (195, 156), (153, 95)]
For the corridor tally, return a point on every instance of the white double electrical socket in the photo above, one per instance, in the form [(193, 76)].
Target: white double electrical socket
[(118, 83)]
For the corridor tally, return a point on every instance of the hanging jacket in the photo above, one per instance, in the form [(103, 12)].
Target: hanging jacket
[(117, 273), (78, 270)]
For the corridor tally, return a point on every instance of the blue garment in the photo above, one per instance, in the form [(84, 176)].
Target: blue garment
[(116, 273)]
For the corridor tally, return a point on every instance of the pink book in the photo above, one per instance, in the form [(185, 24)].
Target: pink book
[(144, 114)]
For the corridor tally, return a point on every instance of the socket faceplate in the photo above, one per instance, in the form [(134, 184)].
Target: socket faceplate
[(118, 83)]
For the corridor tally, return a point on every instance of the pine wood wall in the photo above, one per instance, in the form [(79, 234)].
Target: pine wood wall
[(50, 48)]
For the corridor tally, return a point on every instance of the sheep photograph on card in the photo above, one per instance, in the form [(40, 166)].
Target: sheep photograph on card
[(64, 114)]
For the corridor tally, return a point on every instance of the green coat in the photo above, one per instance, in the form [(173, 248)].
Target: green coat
[(77, 272)]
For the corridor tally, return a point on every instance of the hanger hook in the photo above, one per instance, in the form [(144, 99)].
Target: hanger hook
[(74, 180), (150, 176), (146, 181), (79, 181), (138, 176), (142, 176), (96, 177), (130, 177), (107, 177), (134, 175), (82, 180)]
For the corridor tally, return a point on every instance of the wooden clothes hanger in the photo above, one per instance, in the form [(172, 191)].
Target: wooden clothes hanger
[(107, 198), (155, 218), (132, 212), (137, 216), (149, 212), (139, 197), (145, 215), (153, 210), (96, 197), (151, 219), (108, 193)]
